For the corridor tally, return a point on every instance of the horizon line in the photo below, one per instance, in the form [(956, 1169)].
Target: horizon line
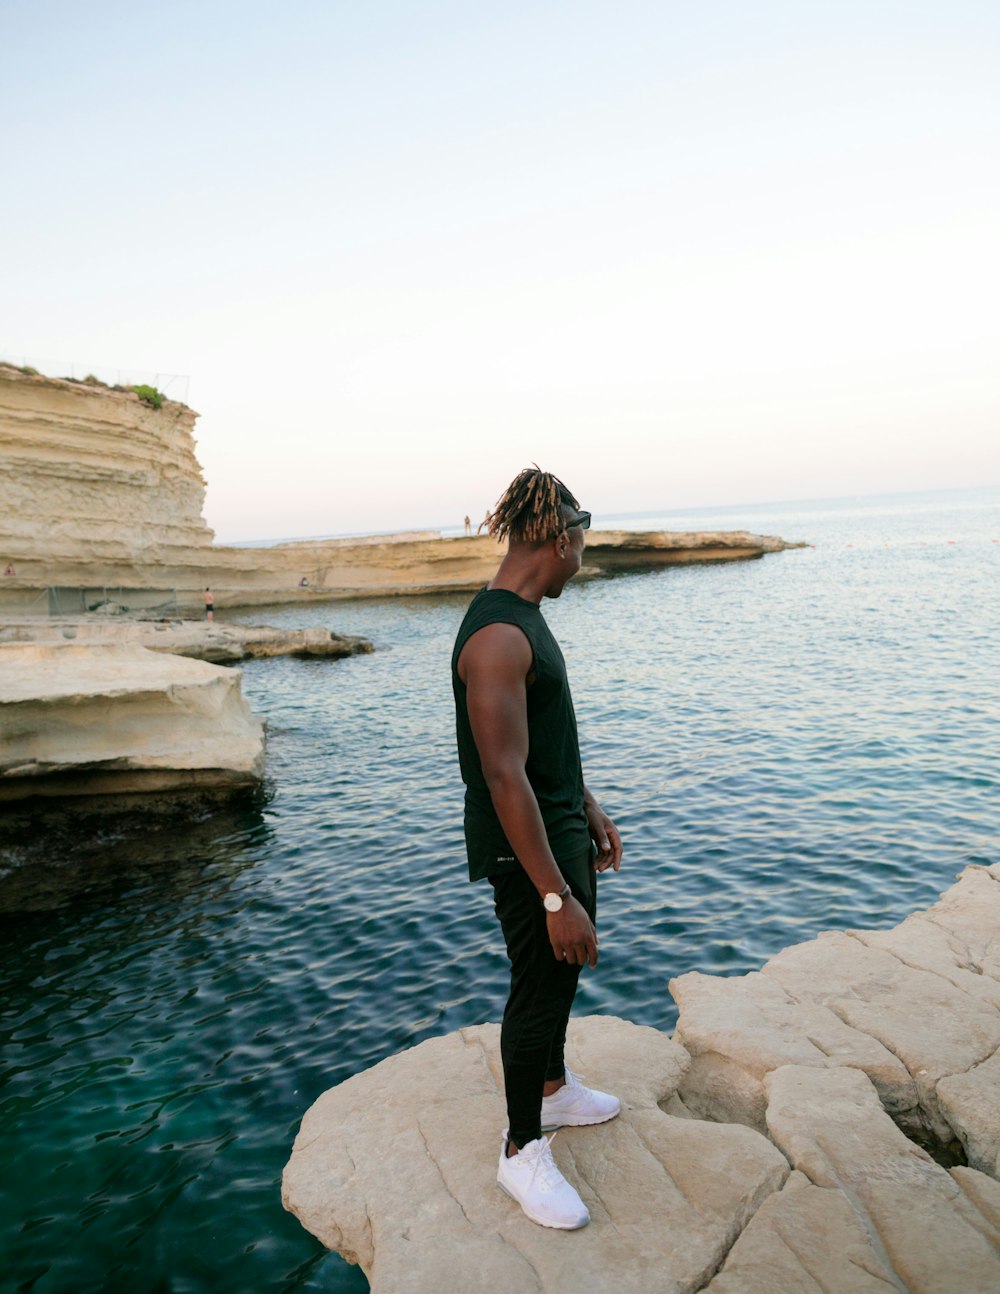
[(641, 512)]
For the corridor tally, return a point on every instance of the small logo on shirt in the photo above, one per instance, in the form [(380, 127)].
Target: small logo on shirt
[(506, 858)]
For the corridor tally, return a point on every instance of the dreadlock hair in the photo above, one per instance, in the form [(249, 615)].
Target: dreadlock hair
[(530, 509)]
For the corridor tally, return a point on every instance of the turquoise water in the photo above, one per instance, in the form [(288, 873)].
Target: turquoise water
[(800, 743)]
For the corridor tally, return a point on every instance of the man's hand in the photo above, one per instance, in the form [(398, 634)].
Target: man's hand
[(604, 834), (572, 934)]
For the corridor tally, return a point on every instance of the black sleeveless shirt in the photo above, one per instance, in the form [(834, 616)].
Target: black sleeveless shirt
[(553, 763)]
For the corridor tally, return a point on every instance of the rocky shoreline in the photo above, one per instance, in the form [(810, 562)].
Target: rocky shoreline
[(333, 570), (766, 1148)]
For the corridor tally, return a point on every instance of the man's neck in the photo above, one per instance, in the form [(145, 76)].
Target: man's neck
[(520, 576)]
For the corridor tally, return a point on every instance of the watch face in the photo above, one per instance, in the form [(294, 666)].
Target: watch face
[(552, 902)]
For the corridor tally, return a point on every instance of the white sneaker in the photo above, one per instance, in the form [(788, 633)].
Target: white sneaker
[(574, 1105), (532, 1178)]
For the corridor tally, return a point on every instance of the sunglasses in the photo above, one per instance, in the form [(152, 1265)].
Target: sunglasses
[(581, 519)]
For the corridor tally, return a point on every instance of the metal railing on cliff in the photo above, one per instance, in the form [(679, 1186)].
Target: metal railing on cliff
[(174, 386)]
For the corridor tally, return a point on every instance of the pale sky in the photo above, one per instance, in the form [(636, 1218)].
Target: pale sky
[(681, 254)]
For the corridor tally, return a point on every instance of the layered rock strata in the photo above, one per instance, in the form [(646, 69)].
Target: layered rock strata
[(765, 1155), (95, 478), (222, 644), (103, 499), (115, 720)]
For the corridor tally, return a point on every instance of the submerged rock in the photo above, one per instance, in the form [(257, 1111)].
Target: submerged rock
[(115, 720)]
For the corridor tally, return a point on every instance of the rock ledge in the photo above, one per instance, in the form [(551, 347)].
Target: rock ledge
[(116, 720)]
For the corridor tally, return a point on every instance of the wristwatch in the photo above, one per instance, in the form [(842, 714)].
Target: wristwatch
[(554, 902)]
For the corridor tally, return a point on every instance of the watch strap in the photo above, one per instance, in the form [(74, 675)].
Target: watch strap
[(562, 895)]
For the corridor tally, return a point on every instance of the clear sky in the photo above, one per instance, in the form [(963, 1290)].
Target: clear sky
[(680, 253)]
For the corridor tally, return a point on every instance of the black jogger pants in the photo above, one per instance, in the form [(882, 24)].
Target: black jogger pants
[(541, 994)]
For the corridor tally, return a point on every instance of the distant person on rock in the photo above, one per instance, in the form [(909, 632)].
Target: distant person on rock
[(468, 524), (209, 605), (533, 829), (303, 583), (9, 569)]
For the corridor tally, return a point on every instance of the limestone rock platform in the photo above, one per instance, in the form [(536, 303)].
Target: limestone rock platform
[(771, 1147), (115, 720), (396, 1169)]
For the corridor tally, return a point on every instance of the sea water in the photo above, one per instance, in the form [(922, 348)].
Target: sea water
[(789, 745)]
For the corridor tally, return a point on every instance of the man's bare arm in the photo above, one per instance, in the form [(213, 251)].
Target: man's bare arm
[(494, 666)]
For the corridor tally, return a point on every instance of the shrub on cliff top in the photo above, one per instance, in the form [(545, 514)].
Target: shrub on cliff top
[(149, 395)]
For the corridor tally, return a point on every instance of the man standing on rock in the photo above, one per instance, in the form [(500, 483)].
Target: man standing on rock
[(531, 828)]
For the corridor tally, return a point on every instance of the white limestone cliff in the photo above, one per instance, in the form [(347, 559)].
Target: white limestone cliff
[(91, 476), (103, 492)]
